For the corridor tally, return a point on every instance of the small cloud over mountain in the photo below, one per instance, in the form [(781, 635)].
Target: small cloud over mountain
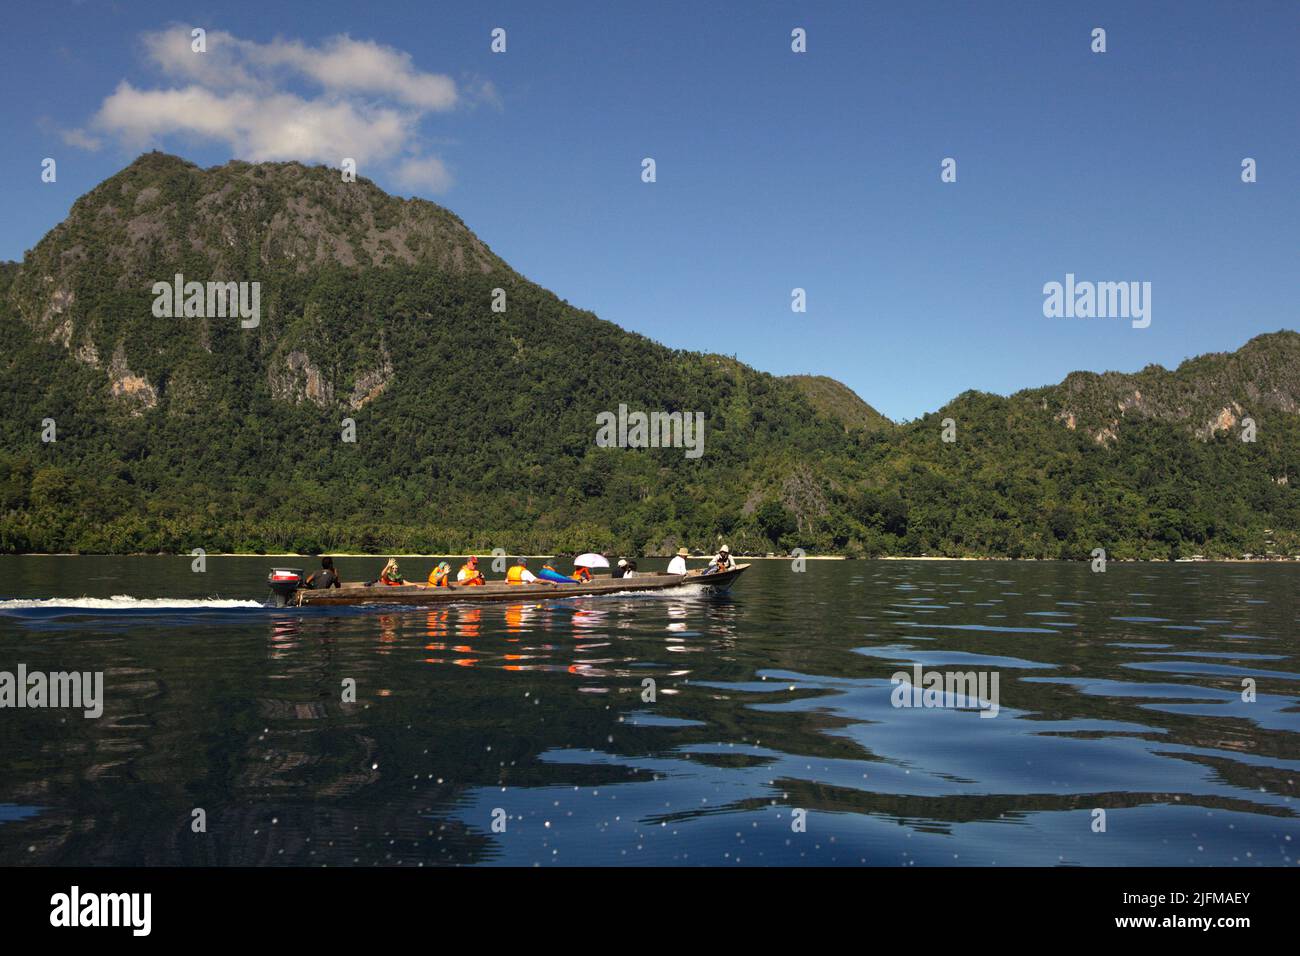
[(287, 100)]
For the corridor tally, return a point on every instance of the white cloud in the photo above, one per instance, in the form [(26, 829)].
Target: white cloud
[(347, 65), (257, 127), (340, 65), (72, 137), (222, 66), (288, 100), (424, 173), (80, 139)]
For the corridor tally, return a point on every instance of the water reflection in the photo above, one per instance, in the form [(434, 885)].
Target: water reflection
[(671, 729)]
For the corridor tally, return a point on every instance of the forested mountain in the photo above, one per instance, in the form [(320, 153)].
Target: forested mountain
[(838, 402), (476, 428)]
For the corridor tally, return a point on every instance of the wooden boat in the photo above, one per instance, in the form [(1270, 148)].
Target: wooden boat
[(286, 589)]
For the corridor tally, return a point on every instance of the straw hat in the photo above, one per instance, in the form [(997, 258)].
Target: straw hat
[(682, 553)]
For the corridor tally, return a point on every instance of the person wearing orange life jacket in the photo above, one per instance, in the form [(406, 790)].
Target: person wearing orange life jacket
[(551, 575), (469, 574), (440, 577), (391, 575), (519, 574), (581, 575)]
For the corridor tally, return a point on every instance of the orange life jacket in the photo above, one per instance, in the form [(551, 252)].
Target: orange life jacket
[(581, 574), (472, 576)]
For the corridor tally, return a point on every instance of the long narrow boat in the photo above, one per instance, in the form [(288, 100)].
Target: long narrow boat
[(287, 589)]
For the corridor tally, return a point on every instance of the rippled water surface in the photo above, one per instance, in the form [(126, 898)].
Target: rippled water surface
[(1120, 692)]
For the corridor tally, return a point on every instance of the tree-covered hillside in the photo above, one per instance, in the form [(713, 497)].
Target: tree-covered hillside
[(476, 428), (838, 402)]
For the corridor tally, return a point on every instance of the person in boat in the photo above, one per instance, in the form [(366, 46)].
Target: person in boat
[(630, 570), (678, 564), (549, 575), (392, 575), (581, 575), (469, 575), (621, 568), (440, 576), (519, 574), (326, 577), (721, 562)]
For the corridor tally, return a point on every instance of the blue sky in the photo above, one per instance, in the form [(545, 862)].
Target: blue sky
[(775, 170)]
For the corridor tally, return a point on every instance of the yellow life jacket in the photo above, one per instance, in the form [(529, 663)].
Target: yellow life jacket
[(515, 575)]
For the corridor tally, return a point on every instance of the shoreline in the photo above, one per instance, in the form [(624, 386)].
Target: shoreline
[(739, 557)]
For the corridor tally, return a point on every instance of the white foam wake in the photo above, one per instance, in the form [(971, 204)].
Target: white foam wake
[(121, 602), (681, 590)]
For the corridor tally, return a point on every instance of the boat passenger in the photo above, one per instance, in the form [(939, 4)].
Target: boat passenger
[(520, 574), (552, 575), (469, 575), (678, 564), (326, 577), (630, 570), (440, 576), (581, 575), (391, 575), (722, 562), (621, 568)]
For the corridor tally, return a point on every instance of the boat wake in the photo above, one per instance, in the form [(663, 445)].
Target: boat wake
[(681, 591), (122, 602), (122, 612)]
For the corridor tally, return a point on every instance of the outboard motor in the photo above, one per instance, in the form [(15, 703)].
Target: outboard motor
[(283, 583)]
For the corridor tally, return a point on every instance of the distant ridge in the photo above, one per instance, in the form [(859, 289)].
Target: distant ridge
[(1208, 394)]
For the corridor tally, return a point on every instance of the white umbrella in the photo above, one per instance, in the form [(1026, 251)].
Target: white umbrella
[(591, 560)]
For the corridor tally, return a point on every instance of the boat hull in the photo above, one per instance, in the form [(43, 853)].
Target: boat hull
[(720, 581), (498, 591)]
